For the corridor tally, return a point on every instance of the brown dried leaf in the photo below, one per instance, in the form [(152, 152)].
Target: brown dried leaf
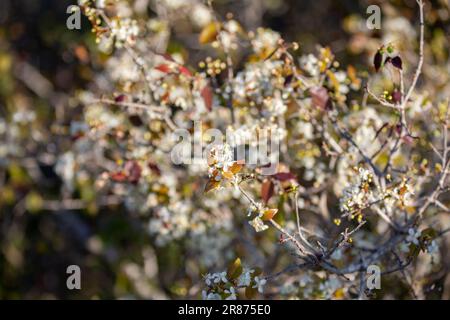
[(212, 184), (285, 176), (267, 190), (207, 96), (397, 62), (378, 60)]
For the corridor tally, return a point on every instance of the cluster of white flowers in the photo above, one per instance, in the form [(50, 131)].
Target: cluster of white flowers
[(220, 158), (210, 295), (258, 81), (359, 195), (168, 225), (265, 41), (228, 38), (403, 193), (124, 31), (367, 123), (310, 64), (212, 245), (246, 277), (219, 286), (258, 224), (268, 92), (341, 82), (216, 279), (208, 236), (309, 286), (128, 72)]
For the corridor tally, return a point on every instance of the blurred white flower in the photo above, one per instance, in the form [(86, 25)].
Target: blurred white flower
[(246, 277), (260, 283), (413, 236), (258, 225), (433, 247), (232, 294)]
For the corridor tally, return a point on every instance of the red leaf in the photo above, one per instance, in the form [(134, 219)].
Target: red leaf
[(397, 96), (321, 98), (207, 96), (120, 98), (267, 190), (154, 168), (168, 57), (163, 68), (133, 171), (285, 176), (398, 128), (185, 71), (118, 176)]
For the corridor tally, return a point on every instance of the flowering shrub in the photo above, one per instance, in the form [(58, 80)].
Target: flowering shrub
[(360, 177)]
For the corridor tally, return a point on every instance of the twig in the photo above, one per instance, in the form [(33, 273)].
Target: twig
[(421, 56)]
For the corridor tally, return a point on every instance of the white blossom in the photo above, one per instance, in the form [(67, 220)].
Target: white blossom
[(413, 236), (433, 247), (258, 224), (232, 294), (260, 283)]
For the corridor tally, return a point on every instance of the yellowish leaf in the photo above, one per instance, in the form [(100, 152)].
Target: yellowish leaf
[(209, 33), (228, 175), (236, 167), (235, 269), (339, 294), (269, 214)]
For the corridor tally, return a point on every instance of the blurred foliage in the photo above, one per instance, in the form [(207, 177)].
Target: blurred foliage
[(42, 66)]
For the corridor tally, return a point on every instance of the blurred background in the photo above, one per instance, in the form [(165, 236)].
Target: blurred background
[(43, 65)]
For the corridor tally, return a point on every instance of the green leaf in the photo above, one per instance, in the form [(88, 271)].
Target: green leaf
[(235, 269), (428, 234)]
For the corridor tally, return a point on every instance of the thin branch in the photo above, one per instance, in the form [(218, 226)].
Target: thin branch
[(421, 55)]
